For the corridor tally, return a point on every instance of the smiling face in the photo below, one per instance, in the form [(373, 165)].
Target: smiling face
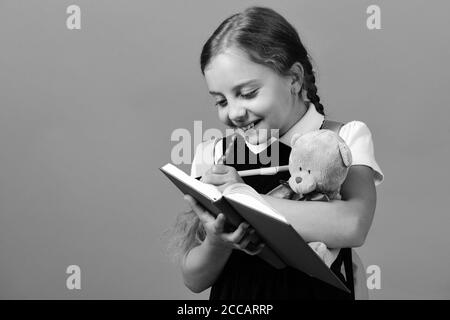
[(249, 94)]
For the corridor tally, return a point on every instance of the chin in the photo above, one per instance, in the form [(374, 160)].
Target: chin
[(257, 140), (259, 137)]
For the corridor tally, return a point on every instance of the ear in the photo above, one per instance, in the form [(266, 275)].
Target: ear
[(346, 154), (295, 138), (297, 74)]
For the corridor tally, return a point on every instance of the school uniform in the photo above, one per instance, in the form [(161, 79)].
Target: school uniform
[(249, 277)]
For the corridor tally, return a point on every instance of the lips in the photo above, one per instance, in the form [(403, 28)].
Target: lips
[(250, 125)]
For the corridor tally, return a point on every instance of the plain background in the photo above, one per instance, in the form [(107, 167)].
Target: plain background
[(86, 118)]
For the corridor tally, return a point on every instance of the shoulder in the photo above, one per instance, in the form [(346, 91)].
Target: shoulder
[(354, 130), (359, 138)]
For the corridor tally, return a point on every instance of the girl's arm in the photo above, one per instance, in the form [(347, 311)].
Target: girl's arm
[(338, 223), (202, 265)]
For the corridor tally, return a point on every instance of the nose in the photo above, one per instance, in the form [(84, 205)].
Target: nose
[(237, 113), (298, 179)]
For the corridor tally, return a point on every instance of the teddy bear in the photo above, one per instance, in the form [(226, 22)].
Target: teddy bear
[(318, 164)]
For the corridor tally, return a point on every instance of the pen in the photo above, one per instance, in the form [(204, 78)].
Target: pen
[(263, 171), (252, 172)]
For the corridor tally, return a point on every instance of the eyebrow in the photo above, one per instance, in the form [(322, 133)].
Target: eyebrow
[(237, 87)]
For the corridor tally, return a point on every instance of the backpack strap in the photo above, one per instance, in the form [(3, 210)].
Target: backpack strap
[(348, 266), (334, 126), (345, 254)]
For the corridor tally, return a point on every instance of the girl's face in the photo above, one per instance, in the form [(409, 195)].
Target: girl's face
[(251, 97)]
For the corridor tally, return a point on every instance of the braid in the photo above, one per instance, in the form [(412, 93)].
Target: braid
[(310, 86)]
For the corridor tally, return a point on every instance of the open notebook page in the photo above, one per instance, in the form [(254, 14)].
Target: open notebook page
[(242, 192)]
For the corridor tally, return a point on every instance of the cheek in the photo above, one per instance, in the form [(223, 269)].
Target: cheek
[(266, 103), (223, 115), (277, 113), (260, 106), (270, 110)]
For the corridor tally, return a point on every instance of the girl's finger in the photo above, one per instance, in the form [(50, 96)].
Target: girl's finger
[(219, 223), (203, 215), (256, 251), (219, 169), (216, 179), (237, 234), (246, 240)]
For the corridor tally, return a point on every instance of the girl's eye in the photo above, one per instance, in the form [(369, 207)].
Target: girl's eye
[(221, 103), (250, 94)]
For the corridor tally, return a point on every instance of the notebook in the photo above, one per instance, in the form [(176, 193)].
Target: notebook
[(239, 202)]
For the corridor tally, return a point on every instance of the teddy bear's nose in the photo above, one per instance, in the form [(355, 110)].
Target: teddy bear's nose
[(298, 179)]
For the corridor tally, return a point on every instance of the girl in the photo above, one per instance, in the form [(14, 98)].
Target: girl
[(263, 83)]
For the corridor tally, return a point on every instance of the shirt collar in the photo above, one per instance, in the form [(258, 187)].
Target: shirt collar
[(311, 120)]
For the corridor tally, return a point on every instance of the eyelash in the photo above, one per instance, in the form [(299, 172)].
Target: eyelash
[(249, 95), (220, 103)]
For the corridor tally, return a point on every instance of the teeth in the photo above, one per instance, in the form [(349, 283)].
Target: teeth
[(251, 125)]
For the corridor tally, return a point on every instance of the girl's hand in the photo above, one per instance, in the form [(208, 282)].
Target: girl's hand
[(221, 176), (214, 227)]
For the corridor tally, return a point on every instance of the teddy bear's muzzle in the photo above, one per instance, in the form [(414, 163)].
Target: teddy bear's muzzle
[(298, 179)]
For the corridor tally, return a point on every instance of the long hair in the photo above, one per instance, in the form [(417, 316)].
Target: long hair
[(270, 40), (186, 233)]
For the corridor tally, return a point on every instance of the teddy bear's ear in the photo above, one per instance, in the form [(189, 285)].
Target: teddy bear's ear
[(346, 154), (294, 138)]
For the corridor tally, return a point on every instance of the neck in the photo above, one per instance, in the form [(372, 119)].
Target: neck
[(298, 111)]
